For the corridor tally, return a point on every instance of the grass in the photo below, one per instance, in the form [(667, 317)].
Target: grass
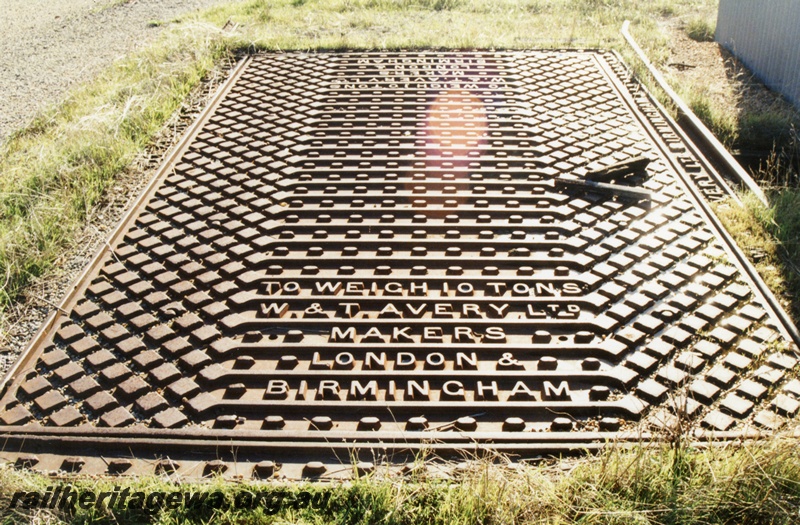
[(722, 122), (767, 130), (738, 112), (55, 172), (670, 484), (758, 233), (700, 30), (770, 235), (739, 126)]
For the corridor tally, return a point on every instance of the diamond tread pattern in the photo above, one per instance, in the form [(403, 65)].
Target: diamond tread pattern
[(379, 248)]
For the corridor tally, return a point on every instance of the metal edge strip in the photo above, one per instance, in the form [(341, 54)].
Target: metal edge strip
[(443, 440)]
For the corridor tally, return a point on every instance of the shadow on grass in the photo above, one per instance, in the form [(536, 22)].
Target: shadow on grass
[(765, 120)]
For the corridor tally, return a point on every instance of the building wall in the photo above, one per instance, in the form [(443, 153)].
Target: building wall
[(765, 36)]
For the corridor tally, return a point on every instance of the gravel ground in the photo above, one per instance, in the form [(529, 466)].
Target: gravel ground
[(47, 47)]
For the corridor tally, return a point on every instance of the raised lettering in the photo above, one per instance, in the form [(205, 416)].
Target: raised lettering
[(416, 391), (471, 310), (368, 391), (317, 362), (346, 336), (350, 309), (371, 358), (463, 334), (435, 360), (487, 391), (558, 393), (400, 335), (328, 288), (390, 311), (328, 389), (453, 389), (443, 310), (464, 362), (416, 312), (495, 333), (276, 389), (354, 288), (344, 360), (404, 360), (432, 333), (521, 390), (272, 310), (499, 309)]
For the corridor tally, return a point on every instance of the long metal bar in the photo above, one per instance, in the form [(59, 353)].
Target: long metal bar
[(714, 146)]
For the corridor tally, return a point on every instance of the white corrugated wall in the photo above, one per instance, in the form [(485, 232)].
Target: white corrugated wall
[(765, 35)]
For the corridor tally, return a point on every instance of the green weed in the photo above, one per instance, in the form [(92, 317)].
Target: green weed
[(54, 173), (765, 131), (700, 29), (57, 170), (721, 121), (770, 237), (260, 10)]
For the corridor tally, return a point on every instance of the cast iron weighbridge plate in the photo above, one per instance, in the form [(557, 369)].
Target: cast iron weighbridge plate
[(355, 256)]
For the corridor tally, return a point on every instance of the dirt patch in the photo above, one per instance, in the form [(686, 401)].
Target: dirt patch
[(712, 71), (704, 64)]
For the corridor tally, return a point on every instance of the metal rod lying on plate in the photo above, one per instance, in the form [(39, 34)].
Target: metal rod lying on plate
[(620, 169), (604, 187)]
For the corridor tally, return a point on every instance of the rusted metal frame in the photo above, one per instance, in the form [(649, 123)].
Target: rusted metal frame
[(254, 440), (570, 440)]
